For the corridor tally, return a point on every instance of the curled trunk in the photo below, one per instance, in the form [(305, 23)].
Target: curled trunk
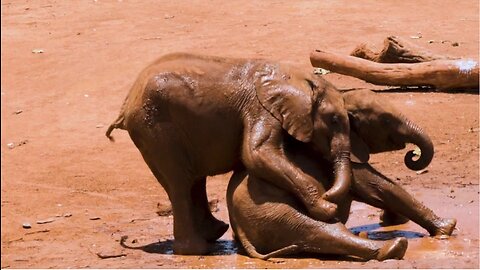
[(418, 137)]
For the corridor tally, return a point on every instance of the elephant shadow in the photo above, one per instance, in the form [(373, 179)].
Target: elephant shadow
[(428, 89), (384, 235), (219, 247)]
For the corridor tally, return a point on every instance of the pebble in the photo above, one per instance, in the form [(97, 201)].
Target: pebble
[(99, 126), (26, 225), (37, 51), (442, 237), (67, 215), (11, 145), (94, 218)]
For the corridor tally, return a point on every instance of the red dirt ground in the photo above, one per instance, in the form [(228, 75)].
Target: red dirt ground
[(59, 103)]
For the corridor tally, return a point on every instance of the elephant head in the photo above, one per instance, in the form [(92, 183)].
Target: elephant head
[(311, 110), (376, 126)]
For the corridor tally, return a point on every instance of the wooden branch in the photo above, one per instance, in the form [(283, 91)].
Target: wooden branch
[(442, 74), (397, 50)]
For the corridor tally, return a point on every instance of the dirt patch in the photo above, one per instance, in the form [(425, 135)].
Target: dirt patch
[(67, 66)]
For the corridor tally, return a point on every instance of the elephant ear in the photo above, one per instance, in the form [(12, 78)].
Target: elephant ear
[(359, 152), (291, 106)]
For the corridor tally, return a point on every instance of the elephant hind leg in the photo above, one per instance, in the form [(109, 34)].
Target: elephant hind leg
[(389, 218), (375, 189), (210, 227), (165, 157)]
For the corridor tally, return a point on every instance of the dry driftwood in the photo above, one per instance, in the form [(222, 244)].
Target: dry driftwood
[(442, 74), (397, 50)]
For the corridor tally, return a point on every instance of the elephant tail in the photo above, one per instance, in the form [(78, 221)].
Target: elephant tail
[(252, 251), (119, 123)]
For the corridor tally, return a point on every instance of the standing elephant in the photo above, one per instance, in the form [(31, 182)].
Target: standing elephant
[(270, 222), (194, 116)]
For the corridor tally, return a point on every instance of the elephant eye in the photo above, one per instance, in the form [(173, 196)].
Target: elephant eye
[(335, 119), (311, 84)]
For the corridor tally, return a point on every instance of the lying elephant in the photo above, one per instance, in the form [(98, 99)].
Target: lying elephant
[(195, 116), (270, 222)]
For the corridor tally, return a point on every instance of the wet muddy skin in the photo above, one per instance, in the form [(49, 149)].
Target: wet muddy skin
[(60, 101)]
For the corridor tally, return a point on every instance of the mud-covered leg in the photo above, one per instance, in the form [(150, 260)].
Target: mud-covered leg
[(375, 189), (210, 227), (170, 166), (337, 239)]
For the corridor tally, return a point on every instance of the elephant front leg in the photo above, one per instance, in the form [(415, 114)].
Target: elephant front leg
[(375, 189), (263, 156)]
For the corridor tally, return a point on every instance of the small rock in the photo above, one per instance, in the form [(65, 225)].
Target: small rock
[(94, 218), (99, 126), (67, 214), (363, 235), (13, 145), (18, 112), (213, 205), (419, 35), (168, 17), (455, 44), (26, 225), (431, 41), (36, 51), (164, 210), (442, 237), (320, 71), (86, 95), (422, 172)]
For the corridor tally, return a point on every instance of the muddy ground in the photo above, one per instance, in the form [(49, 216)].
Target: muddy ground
[(67, 66)]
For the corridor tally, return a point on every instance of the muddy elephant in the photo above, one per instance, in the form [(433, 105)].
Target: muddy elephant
[(270, 222), (195, 116)]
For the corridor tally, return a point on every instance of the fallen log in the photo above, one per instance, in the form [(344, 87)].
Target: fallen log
[(441, 74), (397, 50)]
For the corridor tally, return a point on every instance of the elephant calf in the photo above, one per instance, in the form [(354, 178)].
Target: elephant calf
[(269, 220), (194, 116)]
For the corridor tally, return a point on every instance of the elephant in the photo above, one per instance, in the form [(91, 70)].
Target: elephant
[(270, 222), (193, 116)]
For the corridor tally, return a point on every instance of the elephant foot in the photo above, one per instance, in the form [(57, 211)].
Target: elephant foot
[(388, 218), (393, 249), (214, 229), (444, 226), (191, 246)]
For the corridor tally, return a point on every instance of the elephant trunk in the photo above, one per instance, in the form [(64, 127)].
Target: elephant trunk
[(418, 137), (343, 178)]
